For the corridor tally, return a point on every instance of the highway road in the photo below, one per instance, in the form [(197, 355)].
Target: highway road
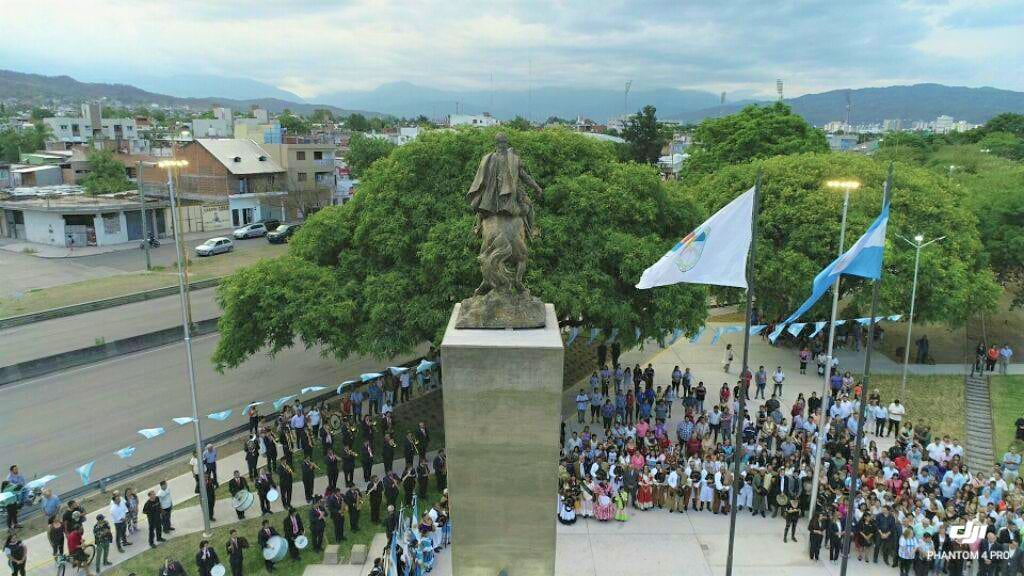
[(41, 339), (53, 424)]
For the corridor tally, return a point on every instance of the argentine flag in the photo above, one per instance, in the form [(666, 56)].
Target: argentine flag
[(863, 259)]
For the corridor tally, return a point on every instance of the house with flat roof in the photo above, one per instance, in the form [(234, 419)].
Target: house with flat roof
[(66, 216)]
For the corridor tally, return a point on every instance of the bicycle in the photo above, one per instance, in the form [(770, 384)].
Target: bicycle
[(62, 560)]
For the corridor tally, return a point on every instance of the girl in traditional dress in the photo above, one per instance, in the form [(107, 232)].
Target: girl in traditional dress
[(645, 494), (621, 500), (604, 510), (425, 552), (587, 495), (567, 510)]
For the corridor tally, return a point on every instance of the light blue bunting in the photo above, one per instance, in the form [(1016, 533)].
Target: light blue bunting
[(85, 471), (40, 482), (795, 328), (126, 452), (282, 401), (895, 317), (182, 420), (615, 334), (817, 328), (309, 389), (757, 329), (345, 384), (370, 376), (594, 333), (149, 433), (424, 365), (696, 337), (637, 335), (863, 321), (675, 336), (396, 370), (574, 332), (221, 416)]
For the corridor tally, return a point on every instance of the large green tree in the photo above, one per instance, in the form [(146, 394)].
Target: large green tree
[(1006, 122), (380, 274), (799, 235), (293, 123), (106, 174), (753, 133), (644, 135), (363, 151)]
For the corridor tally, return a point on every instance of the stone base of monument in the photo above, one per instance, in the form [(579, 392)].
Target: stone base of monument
[(502, 411), (498, 310)]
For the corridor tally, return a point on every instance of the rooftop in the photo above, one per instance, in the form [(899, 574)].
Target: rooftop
[(240, 156), (70, 199)]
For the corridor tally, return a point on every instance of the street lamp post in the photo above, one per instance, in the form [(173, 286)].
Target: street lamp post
[(187, 333), (918, 244), (142, 209), (846, 186)]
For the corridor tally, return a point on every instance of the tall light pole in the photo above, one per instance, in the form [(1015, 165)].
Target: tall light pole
[(846, 186), (186, 329), (142, 209), (918, 244)]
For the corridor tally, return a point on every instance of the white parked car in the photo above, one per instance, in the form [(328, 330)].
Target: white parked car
[(251, 231), (215, 246)]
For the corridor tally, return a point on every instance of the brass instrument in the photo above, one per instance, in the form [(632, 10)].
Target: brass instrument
[(313, 465), (334, 423), (351, 452), (309, 435), (287, 468)]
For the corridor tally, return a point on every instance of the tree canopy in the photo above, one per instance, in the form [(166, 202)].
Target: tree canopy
[(363, 151), (753, 133), (380, 274), (645, 136), (293, 124), (106, 174), (799, 232), (13, 143)]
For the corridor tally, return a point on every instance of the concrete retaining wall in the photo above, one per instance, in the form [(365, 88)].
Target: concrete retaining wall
[(84, 307), (57, 362)]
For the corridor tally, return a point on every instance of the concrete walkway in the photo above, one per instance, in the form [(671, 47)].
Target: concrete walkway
[(49, 251), (187, 520), (979, 424)]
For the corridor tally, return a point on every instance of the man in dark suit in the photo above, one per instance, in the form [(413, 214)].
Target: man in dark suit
[(292, 528), (441, 470), (236, 485), (422, 440), (351, 499), (264, 483), (266, 533), (206, 558), (317, 523), (236, 552), (336, 507), (391, 523), (366, 459), (409, 449), (308, 475), (1013, 565), (387, 453), (629, 482), (988, 562), (285, 478)]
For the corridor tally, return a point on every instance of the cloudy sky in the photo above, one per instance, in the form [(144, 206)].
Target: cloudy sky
[(314, 47)]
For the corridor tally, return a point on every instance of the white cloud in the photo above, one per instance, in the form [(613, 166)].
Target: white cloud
[(316, 47)]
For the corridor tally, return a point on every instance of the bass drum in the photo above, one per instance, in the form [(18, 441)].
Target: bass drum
[(276, 550), (218, 570), (335, 423), (242, 500)]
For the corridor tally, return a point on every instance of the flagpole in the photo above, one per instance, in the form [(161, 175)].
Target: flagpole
[(859, 437), (823, 421), (738, 417)]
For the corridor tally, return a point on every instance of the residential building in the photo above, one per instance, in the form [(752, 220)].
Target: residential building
[(5, 175), (258, 127), (400, 136), (476, 120), (842, 142), (220, 126), (944, 124), (66, 216), (233, 171), (25, 176), (894, 125), (310, 175), (91, 127)]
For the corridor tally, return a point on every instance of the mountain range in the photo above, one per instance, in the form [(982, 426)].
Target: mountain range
[(907, 103), (403, 99), (39, 89)]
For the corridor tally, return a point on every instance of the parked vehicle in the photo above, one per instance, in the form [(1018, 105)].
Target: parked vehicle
[(282, 233), (215, 246), (271, 224), (152, 241), (254, 230)]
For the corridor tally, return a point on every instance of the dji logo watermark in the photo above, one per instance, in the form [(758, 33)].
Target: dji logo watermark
[(967, 534)]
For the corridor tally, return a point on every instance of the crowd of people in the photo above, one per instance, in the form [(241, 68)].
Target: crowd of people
[(315, 440), (621, 457)]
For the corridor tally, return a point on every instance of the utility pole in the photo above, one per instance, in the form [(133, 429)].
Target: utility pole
[(625, 101), (142, 209)]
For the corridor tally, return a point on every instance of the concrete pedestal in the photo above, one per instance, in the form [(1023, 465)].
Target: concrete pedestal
[(502, 410)]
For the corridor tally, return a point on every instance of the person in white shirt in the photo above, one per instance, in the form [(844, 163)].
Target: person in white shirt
[(119, 516), (881, 417), (166, 505), (896, 412), (777, 379)]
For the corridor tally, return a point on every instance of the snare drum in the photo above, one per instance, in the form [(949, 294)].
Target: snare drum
[(273, 495), (301, 542), (276, 550), (218, 570)]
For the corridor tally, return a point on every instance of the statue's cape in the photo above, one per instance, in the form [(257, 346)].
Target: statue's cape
[(484, 194)]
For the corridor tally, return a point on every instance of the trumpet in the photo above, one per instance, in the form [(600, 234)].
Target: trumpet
[(313, 465), (350, 452), (286, 467)]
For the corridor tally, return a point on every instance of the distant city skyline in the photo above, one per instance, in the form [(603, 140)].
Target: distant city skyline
[(318, 47)]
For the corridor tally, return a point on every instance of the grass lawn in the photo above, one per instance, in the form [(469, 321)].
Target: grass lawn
[(121, 284), (954, 346), (184, 548), (1007, 405), (937, 401)]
